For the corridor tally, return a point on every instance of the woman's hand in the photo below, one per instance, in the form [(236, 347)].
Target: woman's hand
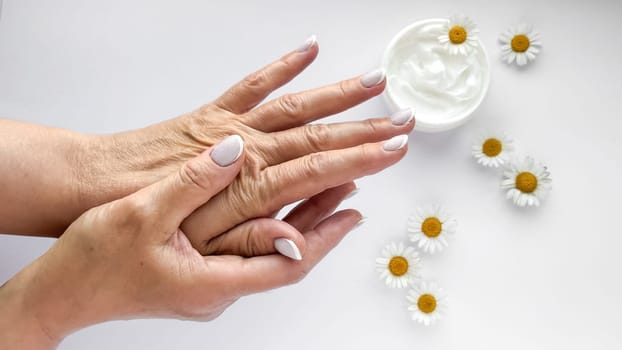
[(287, 159), (130, 258)]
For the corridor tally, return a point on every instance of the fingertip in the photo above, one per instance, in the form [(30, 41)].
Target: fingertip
[(314, 49), (344, 220), (376, 79), (395, 143), (307, 52), (369, 84), (350, 186), (343, 191), (307, 45), (289, 241), (288, 248), (352, 215), (229, 151)]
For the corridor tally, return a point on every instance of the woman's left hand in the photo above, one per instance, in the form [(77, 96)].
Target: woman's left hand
[(287, 158)]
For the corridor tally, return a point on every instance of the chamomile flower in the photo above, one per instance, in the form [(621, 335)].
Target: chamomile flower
[(520, 44), (426, 302), (526, 182), (459, 35), (398, 266), (493, 150), (430, 226)]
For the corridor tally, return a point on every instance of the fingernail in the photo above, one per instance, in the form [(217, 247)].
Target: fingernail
[(360, 223), (228, 151), (373, 78), (307, 44), (352, 194), (395, 143), (288, 248), (402, 117)]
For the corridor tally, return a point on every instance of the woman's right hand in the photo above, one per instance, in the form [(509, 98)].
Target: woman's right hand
[(130, 259), (287, 159)]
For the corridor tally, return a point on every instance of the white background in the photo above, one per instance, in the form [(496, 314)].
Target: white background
[(518, 278)]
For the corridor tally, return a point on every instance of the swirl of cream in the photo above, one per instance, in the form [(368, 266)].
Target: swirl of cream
[(434, 79)]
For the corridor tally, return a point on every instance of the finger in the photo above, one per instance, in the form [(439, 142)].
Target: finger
[(263, 273), (259, 237), (291, 181), (310, 212), (171, 200), (309, 139), (249, 92), (311, 174), (293, 110)]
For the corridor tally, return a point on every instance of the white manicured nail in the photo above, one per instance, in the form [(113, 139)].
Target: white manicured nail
[(402, 117), (352, 194), (360, 223), (395, 143), (288, 248), (373, 78), (307, 44), (228, 151)]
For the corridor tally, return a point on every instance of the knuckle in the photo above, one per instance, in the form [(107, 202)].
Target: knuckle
[(291, 104), (251, 244), (312, 164), (194, 173), (266, 197), (284, 64), (249, 200), (372, 126), (317, 136), (343, 89), (368, 158), (255, 80), (131, 213)]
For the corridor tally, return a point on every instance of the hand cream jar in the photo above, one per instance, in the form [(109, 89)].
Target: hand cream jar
[(442, 88)]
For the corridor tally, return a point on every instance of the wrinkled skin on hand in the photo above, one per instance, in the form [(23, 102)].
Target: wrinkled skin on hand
[(130, 259), (287, 159)]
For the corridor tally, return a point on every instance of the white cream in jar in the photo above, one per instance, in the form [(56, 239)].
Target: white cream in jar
[(442, 88)]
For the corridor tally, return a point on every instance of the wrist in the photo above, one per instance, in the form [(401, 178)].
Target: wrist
[(19, 326), (40, 168), (116, 165), (55, 296)]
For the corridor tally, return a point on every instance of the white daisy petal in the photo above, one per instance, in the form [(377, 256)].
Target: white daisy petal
[(486, 144), (394, 273), (443, 240), (464, 47), (505, 37), (433, 305), (523, 56), (429, 241), (521, 193)]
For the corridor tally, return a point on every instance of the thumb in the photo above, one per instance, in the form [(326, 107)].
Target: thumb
[(257, 237), (175, 197)]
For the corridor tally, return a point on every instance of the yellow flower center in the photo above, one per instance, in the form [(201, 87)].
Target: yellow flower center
[(457, 34), (492, 147), (520, 43), (398, 265), (431, 227), (426, 303), (526, 182)]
